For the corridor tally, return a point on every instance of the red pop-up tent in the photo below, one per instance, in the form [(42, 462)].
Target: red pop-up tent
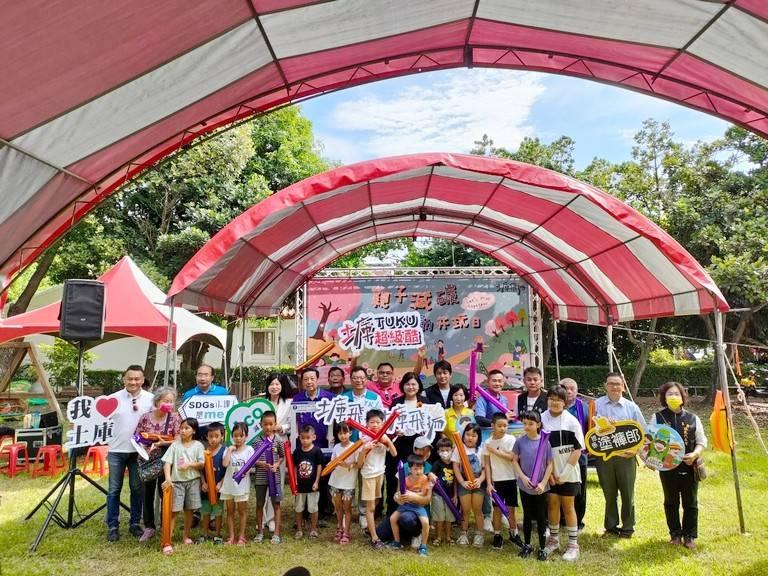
[(134, 307)]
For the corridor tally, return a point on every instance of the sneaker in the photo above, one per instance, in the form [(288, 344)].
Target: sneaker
[(314, 535), (416, 542), (690, 543), (516, 540), (542, 555), (423, 550), (113, 535), (276, 539), (377, 544), (675, 541), (200, 540), (148, 534), (571, 553), (478, 540), (298, 535), (526, 551), (217, 540), (463, 540), (259, 538), (625, 533), (553, 545), (395, 545), (136, 531), (498, 542)]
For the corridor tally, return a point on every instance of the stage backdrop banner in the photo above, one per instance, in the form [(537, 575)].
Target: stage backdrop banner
[(387, 319)]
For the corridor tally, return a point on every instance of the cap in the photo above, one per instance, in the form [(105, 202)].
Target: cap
[(421, 442)]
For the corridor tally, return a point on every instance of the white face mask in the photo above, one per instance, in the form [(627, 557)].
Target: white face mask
[(445, 455)]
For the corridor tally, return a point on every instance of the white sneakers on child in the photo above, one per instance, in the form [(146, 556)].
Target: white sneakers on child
[(571, 553), (463, 540), (552, 545), (478, 540)]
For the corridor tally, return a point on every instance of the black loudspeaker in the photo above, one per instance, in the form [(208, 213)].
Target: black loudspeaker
[(82, 311)]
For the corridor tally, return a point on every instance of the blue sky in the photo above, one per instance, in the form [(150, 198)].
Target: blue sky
[(446, 111)]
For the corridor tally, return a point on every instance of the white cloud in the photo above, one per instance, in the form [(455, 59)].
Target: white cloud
[(445, 115)]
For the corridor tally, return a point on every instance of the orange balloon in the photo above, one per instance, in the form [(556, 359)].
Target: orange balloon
[(210, 478), (341, 457), (463, 457), (167, 516)]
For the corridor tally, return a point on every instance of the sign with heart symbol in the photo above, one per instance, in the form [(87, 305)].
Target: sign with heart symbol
[(106, 405)]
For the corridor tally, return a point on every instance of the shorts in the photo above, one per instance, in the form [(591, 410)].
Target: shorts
[(308, 500), (186, 495), (206, 509), (371, 488), (507, 489), (418, 510), (440, 511), (463, 491), (235, 497), (261, 494), (346, 493), (566, 488)]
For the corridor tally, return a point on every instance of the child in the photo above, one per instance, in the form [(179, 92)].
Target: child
[(182, 465), (417, 494), (308, 460), (501, 477), (215, 437), (471, 494), (566, 440), (261, 480), (342, 484), (371, 460), (443, 473), (532, 496), (236, 495)]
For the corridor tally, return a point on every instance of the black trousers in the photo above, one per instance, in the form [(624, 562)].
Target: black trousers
[(681, 488), (580, 502), (534, 508), (151, 489)]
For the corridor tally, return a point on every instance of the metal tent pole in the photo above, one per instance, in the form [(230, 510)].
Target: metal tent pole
[(610, 347), (720, 351), (242, 349), (557, 353), (168, 347)]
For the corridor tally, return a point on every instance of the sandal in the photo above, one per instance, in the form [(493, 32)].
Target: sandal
[(241, 541), (168, 550), (229, 542), (339, 533), (344, 538), (188, 541), (436, 542)]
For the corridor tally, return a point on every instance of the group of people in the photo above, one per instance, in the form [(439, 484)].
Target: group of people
[(453, 480)]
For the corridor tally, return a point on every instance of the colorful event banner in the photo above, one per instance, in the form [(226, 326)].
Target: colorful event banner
[(387, 319)]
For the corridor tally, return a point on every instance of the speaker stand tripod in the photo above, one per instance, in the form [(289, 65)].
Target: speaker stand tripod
[(66, 485)]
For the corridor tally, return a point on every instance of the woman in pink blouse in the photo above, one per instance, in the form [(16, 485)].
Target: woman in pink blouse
[(162, 420)]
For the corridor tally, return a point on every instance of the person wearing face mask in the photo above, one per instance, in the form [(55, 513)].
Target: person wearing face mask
[(442, 471), (680, 484), (163, 421)]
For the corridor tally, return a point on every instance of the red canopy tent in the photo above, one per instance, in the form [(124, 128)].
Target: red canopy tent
[(588, 255), (134, 307), (93, 93)]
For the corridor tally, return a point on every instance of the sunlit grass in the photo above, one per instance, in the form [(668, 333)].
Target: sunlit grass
[(722, 550)]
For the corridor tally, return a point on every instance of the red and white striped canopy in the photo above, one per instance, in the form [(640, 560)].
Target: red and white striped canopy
[(589, 256), (92, 93)]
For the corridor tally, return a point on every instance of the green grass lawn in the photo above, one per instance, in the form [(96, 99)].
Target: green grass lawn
[(722, 550)]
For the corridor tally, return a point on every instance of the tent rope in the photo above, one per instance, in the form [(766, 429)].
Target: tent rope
[(741, 397)]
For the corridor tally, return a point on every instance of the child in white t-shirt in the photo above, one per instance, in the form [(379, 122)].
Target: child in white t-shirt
[(234, 495), (501, 477), (342, 484)]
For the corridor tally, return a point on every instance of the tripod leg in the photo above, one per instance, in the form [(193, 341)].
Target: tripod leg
[(64, 485), (100, 487), (45, 499)]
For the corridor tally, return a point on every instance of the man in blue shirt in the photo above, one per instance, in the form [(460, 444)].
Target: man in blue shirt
[(204, 384), (617, 475), (367, 399), (484, 410)]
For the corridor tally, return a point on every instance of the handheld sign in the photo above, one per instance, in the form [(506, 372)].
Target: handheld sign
[(663, 448), (249, 412), (206, 408), (608, 439)]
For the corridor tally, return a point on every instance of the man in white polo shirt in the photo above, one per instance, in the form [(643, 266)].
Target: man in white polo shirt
[(132, 402)]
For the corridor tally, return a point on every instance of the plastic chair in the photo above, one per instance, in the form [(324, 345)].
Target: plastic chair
[(14, 452), (49, 457), (97, 457)]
